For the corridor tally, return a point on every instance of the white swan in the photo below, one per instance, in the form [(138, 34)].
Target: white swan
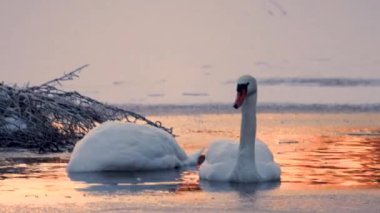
[(248, 161), (115, 146)]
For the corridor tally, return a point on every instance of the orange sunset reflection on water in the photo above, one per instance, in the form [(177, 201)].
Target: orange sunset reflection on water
[(332, 150)]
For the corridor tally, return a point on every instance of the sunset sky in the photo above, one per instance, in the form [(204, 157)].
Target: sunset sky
[(188, 51)]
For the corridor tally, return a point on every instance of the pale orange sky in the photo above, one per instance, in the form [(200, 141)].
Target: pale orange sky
[(145, 51)]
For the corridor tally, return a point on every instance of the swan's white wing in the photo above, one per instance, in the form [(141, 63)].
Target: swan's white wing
[(262, 152), (269, 171), (220, 160), (266, 167)]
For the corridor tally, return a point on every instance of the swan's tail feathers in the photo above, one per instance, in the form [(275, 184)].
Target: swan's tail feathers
[(193, 159)]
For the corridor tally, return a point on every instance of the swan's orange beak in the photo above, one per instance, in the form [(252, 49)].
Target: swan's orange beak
[(240, 98)]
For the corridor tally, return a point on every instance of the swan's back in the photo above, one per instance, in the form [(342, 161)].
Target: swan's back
[(123, 146)]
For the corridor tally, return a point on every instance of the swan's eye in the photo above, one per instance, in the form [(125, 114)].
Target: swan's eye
[(242, 87)]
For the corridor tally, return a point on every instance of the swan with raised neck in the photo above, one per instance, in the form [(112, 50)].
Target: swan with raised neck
[(245, 168), (248, 161)]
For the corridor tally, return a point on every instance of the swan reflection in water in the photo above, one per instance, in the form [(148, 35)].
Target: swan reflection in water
[(160, 181), (130, 182), (242, 188)]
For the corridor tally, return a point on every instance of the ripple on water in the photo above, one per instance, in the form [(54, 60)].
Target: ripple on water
[(338, 159)]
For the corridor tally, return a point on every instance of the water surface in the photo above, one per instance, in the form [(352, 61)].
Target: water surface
[(316, 152)]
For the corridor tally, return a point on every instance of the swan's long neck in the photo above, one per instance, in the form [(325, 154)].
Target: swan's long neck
[(245, 167), (248, 126)]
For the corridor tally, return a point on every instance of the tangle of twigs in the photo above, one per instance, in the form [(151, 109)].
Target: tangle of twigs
[(48, 119)]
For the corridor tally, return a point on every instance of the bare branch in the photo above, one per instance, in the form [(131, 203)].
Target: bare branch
[(49, 119), (66, 77)]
